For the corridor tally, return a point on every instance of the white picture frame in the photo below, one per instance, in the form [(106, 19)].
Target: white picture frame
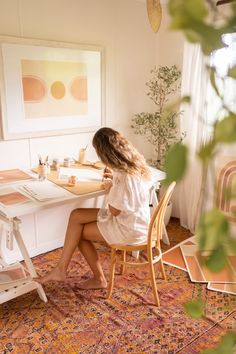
[(50, 88)]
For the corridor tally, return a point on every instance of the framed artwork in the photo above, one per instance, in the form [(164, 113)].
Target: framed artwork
[(49, 88), (226, 180)]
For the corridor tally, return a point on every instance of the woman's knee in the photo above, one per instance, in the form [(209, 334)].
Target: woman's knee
[(75, 216), (83, 215)]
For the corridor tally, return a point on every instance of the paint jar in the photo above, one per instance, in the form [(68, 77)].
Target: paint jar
[(42, 171), (55, 165), (67, 162)]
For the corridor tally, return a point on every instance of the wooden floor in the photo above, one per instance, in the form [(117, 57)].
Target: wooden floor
[(176, 233)]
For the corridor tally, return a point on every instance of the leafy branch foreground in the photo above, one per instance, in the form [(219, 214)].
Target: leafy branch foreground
[(193, 17)]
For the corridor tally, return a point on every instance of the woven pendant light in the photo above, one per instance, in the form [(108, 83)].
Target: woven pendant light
[(154, 14)]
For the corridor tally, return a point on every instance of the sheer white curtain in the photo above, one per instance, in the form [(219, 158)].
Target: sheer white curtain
[(194, 123)]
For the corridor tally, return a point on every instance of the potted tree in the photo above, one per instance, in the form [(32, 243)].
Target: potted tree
[(160, 128)]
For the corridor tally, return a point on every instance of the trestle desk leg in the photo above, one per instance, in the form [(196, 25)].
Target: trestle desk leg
[(26, 257)]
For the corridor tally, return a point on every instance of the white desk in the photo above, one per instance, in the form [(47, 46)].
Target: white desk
[(10, 216)]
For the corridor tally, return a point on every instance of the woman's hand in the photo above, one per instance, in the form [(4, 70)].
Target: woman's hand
[(113, 210), (107, 174), (107, 184)]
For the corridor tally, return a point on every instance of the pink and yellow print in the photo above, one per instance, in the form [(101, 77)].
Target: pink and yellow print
[(54, 88)]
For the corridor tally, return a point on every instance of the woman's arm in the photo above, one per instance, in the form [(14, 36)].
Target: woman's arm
[(113, 210)]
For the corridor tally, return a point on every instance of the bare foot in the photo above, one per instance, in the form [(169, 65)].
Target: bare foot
[(55, 275), (93, 284)]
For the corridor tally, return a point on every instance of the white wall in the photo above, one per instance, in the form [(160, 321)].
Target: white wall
[(169, 51), (169, 43), (121, 27), (131, 51)]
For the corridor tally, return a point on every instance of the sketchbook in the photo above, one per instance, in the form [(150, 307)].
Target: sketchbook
[(224, 288), (198, 272), (10, 196), (43, 190), (83, 175), (14, 175), (174, 256)]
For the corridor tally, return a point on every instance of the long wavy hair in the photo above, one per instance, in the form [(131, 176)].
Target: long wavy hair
[(116, 152)]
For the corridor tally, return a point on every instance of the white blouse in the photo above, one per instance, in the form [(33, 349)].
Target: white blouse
[(130, 194)]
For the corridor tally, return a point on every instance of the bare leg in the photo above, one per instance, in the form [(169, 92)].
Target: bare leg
[(77, 219), (90, 254)]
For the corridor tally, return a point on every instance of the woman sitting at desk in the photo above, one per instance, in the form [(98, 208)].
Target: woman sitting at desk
[(124, 220)]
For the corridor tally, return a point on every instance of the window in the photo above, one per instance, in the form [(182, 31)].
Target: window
[(222, 60)]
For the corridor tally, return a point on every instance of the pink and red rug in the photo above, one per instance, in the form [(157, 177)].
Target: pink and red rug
[(78, 321)]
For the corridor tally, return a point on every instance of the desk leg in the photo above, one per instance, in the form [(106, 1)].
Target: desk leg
[(26, 257), (165, 237), (2, 261)]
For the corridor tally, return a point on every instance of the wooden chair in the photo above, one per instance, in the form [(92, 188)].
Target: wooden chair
[(152, 247)]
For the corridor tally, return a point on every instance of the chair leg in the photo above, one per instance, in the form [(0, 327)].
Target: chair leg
[(112, 272), (163, 270), (154, 285), (122, 268)]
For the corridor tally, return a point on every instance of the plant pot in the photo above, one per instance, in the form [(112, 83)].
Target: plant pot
[(168, 213)]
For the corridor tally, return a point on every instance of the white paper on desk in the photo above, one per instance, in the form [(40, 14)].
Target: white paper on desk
[(43, 191), (83, 174)]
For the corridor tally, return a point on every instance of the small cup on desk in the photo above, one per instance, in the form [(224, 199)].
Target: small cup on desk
[(42, 171), (72, 180)]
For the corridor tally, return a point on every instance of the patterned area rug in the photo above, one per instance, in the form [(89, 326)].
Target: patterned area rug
[(78, 321)]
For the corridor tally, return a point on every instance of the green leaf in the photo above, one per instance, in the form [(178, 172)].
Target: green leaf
[(191, 17), (192, 36), (217, 260), (226, 345), (227, 193), (232, 72), (188, 9), (186, 99), (213, 80), (225, 130), (206, 152), (210, 351), (232, 245), (212, 230), (176, 163), (210, 37), (194, 308)]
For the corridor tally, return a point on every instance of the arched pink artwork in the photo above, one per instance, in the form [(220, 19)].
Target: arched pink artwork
[(54, 88), (34, 89), (51, 88), (225, 182), (78, 88)]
